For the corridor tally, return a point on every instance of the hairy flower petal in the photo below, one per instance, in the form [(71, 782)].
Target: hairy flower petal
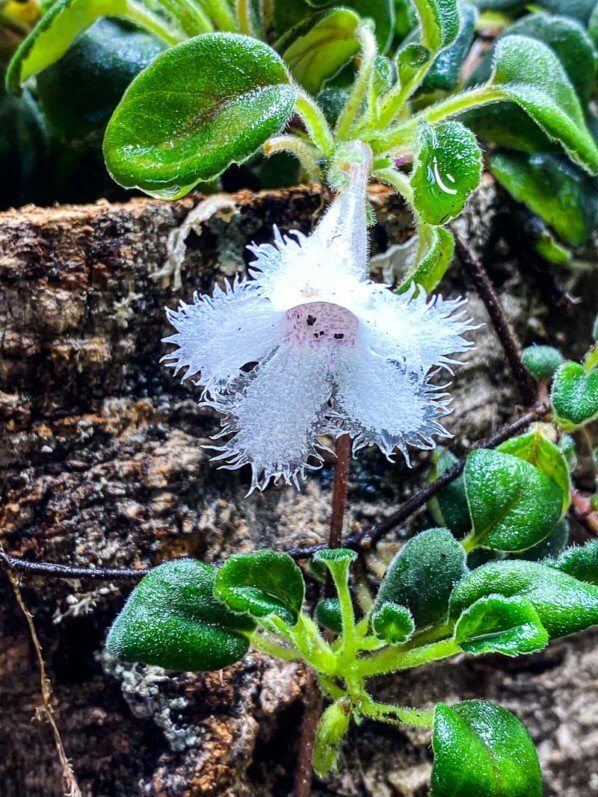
[(275, 413), (217, 335)]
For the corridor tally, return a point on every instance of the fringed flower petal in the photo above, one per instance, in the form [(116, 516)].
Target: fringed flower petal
[(381, 402), (422, 333), (274, 414), (217, 335)]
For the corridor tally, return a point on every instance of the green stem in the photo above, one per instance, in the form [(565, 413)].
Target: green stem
[(330, 688), (277, 651), (143, 17), (402, 134), (312, 647), (362, 82), (315, 122), (469, 542), (221, 13), (398, 180), (190, 16), (390, 659), (305, 153), (408, 716), (244, 21)]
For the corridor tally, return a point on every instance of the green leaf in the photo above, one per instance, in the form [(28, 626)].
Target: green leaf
[(332, 728), (392, 623), (536, 449), (410, 59), (173, 620), (435, 250), (569, 41), (551, 546), (422, 575), (54, 34), (593, 26), (80, 92), (576, 9), (510, 626), (328, 614), (542, 361), (449, 506), (444, 72), (575, 395), (580, 562), (260, 584), (482, 749), (337, 560), (439, 20), (324, 48), (381, 12), (564, 604), (168, 134), (447, 167), (513, 505), (528, 72), (559, 192)]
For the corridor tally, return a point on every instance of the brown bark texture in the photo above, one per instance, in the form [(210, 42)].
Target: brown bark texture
[(101, 463)]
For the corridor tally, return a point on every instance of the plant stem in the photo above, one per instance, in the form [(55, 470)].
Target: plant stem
[(151, 22), (391, 660), (409, 716), (582, 511), (304, 152), (243, 8), (220, 12), (502, 326), (313, 699), (355, 100), (315, 122)]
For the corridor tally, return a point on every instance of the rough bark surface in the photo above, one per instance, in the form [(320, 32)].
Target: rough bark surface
[(101, 464)]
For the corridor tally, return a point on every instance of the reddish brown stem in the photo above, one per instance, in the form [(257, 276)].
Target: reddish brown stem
[(502, 326), (313, 698), (582, 511)]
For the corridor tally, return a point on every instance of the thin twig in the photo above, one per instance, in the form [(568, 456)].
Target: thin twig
[(46, 709), (502, 326), (313, 697), (363, 540)]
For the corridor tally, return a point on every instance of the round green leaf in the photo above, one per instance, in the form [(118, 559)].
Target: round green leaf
[(327, 45), (173, 620), (328, 614), (435, 249), (575, 395), (445, 71), (422, 575), (580, 562), (199, 107), (337, 560), (564, 604), (529, 73), (262, 583), (560, 193), (482, 749), (447, 167), (510, 626), (542, 361), (332, 728), (513, 505), (392, 623), (536, 449), (80, 92), (550, 547)]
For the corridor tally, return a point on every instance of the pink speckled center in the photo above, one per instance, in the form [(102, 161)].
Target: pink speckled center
[(320, 323)]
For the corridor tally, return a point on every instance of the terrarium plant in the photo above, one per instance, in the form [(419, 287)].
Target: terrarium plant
[(308, 352)]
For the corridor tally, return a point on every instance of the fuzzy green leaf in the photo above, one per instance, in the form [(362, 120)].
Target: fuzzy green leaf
[(542, 361), (536, 449), (482, 749), (392, 623), (580, 562), (435, 250), (328, 44), (560, 193), (564, 604), (332, 728), (168, 134), (422, 575), (261, 584), (439, 20), (551, 546), (173, 620), (510, 626), (444, 72), (449, 506), (513, 505), (529, 73), (381, 12), (447, 168), (575, 395), (328, 614), (80, 92)]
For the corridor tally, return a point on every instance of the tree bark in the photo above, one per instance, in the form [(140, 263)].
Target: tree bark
[(101, 464)]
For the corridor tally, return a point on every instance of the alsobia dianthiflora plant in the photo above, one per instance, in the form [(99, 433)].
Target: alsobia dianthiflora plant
[(310, 347)]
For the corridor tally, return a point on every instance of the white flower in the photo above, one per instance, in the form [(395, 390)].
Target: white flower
[(331, 352)]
